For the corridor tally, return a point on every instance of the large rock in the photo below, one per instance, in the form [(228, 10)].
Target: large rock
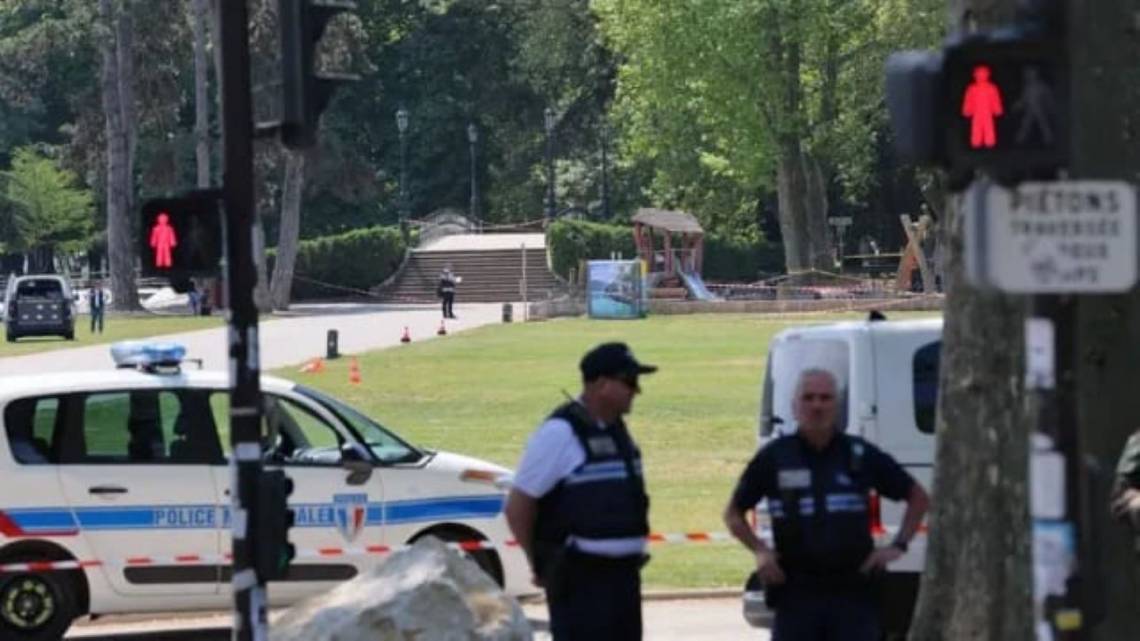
[(427, 592)]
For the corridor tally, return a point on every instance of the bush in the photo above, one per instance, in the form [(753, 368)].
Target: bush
[(355, 260), (727, 259), (572, 241), (730, 259)]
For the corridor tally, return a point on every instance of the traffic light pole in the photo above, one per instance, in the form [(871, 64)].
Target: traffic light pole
[(250, 623)]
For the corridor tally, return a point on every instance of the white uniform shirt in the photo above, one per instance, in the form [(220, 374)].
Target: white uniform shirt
[(552, 453)]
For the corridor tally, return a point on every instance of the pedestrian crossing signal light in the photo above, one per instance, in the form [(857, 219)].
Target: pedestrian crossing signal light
[(274, 552), (993, 101), (181, 237), (1007, 103)]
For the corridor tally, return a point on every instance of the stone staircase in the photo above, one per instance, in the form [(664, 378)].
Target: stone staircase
[(489, 276)]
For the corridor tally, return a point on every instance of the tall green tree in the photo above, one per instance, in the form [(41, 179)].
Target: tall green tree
[(755, 96), (49, 212)]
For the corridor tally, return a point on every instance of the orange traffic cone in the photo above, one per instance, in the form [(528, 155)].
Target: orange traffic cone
[(354, 372), (406, 337), (442, 331)]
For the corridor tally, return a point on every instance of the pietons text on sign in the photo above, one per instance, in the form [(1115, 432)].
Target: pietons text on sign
[(1053, 237)]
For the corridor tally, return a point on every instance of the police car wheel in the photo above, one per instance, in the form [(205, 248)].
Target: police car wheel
[(487, 560), (36, 607)]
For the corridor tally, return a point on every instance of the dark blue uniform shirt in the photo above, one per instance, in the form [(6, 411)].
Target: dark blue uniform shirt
[(829, 490)]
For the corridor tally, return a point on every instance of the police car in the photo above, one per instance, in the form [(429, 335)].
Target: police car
[(116, 493)]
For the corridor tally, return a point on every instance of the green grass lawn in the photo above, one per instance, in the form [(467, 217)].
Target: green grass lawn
[(482, 392), (115, 328)]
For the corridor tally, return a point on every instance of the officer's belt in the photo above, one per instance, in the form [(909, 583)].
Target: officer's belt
[(829, 582)]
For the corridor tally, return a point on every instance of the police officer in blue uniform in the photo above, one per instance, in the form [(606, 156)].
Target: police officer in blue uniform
[(578, 505), (820, 577)]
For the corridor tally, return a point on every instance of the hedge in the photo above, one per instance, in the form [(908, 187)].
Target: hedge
[(726, 259), (572, 241), (356, 260)]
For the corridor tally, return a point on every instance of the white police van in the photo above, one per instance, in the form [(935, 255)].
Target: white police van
[(116, 493), (888, 377)]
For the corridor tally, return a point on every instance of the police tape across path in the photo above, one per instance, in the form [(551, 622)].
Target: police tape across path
[(320, 553)]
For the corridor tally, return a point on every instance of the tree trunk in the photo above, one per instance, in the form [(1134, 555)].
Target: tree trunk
[(282, 283), (124, 51), (200, 14), (800, 190), (1106, 99), (977, 582), (802, 200), (261, 296), (120, 248)]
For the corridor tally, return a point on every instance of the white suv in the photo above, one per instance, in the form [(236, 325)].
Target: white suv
[(117, 491)]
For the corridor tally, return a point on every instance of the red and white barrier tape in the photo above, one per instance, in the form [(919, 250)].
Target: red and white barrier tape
[(319, 553)]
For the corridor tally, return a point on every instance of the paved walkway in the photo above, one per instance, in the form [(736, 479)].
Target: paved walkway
[(462, 242), (694, 620), (286, 341)]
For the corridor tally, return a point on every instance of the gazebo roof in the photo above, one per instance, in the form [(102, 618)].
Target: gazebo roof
[(671, 221)]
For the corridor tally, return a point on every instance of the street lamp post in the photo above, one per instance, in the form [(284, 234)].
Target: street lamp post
[(402, 127), (472, 138), (550, 122), (605, 172)]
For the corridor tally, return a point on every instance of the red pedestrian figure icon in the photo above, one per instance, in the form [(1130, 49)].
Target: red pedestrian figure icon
[(982, 106), (163, 240)]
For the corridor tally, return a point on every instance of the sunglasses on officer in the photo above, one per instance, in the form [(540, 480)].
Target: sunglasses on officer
[(629, 380)]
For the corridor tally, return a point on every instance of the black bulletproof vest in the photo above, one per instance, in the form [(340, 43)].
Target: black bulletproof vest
[(820, 509), (604, 497)]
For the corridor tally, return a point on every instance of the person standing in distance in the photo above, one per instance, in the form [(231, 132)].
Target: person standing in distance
[(447, 283), (97, 302), (579, 507), (816, 482)]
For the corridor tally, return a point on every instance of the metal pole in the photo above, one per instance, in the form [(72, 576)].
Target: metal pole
[(605, 173), (549, 173), (403, 181), (250, 622), (472, 137)]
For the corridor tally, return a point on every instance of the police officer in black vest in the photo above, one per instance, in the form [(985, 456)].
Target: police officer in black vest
[(579, 508), (819, 578)]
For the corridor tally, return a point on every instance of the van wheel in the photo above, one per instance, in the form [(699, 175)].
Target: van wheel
[(69, 336), (36, 607)]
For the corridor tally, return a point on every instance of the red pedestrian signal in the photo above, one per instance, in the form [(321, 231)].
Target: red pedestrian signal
[(181, 237), (163, 240), (1008, 102), (982, 105)]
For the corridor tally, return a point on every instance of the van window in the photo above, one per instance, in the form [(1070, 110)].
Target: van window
[(925, 379), (786, 360), (49, 288)]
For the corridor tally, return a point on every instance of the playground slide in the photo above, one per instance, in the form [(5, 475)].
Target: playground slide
[(696, 287)]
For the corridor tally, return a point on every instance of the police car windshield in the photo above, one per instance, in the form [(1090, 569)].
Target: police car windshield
[(388, 447)]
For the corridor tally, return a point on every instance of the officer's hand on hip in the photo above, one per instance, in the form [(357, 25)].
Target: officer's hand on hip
[(881, 558), (768, 568)]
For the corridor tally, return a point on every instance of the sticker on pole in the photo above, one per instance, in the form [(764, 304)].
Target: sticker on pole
[(1075, 237)]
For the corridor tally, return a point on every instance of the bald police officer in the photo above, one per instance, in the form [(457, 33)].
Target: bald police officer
[(579, 507), (816, 482)]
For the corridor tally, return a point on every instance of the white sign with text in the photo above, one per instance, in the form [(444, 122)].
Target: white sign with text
[(1065, 237)]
